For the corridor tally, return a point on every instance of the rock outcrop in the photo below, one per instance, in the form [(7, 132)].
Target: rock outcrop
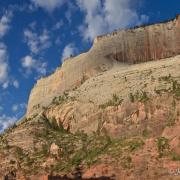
[(131, 46), (103, 114)]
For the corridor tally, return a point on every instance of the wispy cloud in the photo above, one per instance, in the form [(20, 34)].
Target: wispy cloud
[(5, 78), (107, 15), (3, 65), (5, 21), (37, 42), (71, 9), (19, 108), (48, 5), (15, 83), (4, 69), (30, 64)]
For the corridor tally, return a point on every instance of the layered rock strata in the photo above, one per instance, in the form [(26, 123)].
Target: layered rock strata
[(130, 46)]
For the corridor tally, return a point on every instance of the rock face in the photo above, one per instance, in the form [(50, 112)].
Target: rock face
[(137, 45), (142, 44), (71, 75)]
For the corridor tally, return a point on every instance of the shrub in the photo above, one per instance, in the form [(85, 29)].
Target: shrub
[(115, 101), (144, 97), (19, 153), (60, 99), (131, 97), (166, 78), (146, 133), (176, 89), (163, 146), (126, 162), (52, 124), (175, 156), (135, 144)]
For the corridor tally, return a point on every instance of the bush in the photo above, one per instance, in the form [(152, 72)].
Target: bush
[(19, 153), (60, 99), (166, 78), (131, 97), (175, 156), (52, 124), (115, 101), (176, 89), (163, 146), (146, 133), (126, 162), (144, 97)]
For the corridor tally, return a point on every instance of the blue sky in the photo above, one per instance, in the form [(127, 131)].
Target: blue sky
[(36, 35)]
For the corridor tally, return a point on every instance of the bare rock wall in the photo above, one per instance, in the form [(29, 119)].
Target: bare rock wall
[(142, 44)]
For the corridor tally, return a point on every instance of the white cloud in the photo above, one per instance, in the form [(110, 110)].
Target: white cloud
[(30, 64), (6, 122), (19, 107), (5, 23), (71, 9), (48, 5), (107, 15), (69, 51), (15, 107), (37, 42), (3, 71), (15, 83), (3, 66), (10, 81), (5, 85)]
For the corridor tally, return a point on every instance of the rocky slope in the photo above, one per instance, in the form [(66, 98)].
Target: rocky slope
[(107, 119)]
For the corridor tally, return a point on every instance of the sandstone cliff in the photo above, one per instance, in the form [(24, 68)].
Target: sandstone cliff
[(103, 114), (142, 44), (137, 45)]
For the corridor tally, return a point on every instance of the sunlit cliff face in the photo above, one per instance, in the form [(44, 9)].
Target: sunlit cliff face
[(131, 46)]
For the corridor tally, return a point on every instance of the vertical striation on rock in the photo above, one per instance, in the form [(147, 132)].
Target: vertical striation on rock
[(142, 44)]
